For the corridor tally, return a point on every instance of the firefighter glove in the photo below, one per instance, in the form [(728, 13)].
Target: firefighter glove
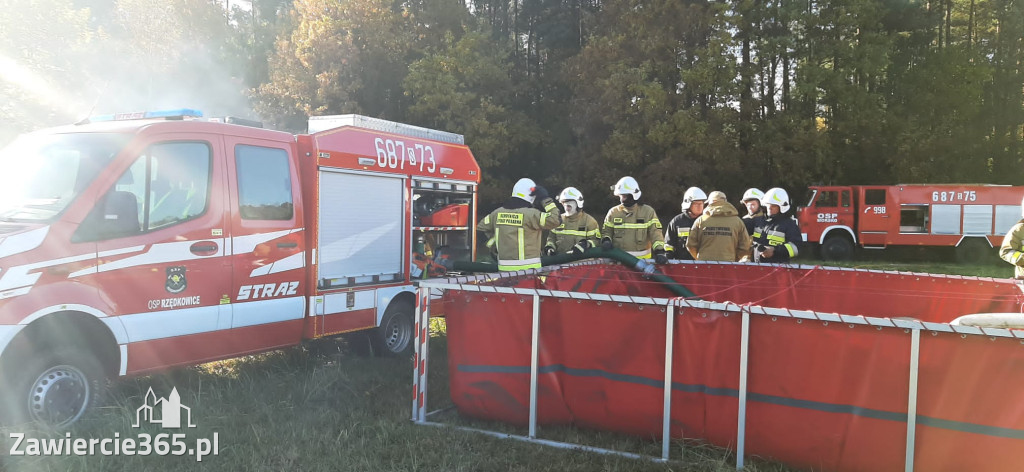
[(645, 266), (540, 194), (606, 244), (660, 257), (584, 245)]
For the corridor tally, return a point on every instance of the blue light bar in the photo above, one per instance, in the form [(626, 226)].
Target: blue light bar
[(177, 114)]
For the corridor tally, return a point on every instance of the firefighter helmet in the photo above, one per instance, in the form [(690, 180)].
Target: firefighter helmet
[(693, 194), (524, 189), (776, 196), (571, 193), (627, 186), (752, 194)]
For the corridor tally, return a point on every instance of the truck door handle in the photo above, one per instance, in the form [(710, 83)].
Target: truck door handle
[(287, 245), (204, 248)]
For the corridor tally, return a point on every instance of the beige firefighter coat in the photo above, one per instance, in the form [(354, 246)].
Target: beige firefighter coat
[(1012, 249), (719, 234), (635, 229), (574, 229), (516, 234)]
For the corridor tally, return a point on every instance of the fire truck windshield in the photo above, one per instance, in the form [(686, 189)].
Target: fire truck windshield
[(40, 174)]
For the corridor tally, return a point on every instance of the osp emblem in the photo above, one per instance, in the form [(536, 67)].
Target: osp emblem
[(176, 282)]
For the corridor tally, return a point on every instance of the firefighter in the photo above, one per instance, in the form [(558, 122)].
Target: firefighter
[(719, 234), (775, 240), (1012, 249), (755, 212), (578, 231), (679, 228), (632, 226), (514, 231)]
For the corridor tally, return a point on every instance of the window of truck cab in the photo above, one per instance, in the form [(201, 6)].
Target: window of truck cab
[(264, 183), (167, 185), (826, 199), (41, 173)]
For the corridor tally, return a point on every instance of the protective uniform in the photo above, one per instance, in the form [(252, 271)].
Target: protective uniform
[(515, 229), (719, 234), (632, 226), (751, 221), (1012, 249), (778, 231), (679, 227), (676, 234), (579, 229)]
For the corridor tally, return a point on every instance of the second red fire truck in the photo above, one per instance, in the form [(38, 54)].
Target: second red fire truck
[(971, 218)]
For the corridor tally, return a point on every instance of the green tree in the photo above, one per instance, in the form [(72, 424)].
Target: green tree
[(466, 88), (169, 54), (41, 46), (341, 56), (653, 95)]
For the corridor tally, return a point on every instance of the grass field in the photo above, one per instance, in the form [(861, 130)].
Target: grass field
[(326, 407)]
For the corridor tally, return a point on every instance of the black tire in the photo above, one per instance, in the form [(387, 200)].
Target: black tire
[(53, 389), (837, 248), (394, 336), (975, 251)]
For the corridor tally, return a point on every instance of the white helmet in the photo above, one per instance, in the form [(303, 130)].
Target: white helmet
[(571, 193), (776, 196), (627, 186), (693, 194), (752, 194), (524, 189)]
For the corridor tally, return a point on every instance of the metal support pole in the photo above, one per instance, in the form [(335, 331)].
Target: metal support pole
[(667, 406), (424, 333), (741, 427), (416, 356), (915, 355), (534, 348)]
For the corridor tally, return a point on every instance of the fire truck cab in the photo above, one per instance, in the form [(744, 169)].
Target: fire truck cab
[(971, 218), (136, 243)]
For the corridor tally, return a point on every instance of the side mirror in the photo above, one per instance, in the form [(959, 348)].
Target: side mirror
[(115, 215)]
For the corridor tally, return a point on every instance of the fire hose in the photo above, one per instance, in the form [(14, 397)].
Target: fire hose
[(643, 265)]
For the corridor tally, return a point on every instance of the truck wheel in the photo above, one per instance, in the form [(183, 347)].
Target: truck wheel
[(54, 389), (394, 335), (975, 251), (837, 248)]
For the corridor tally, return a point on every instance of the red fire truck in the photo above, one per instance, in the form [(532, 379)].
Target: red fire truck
[(130, 244), (971, 218)]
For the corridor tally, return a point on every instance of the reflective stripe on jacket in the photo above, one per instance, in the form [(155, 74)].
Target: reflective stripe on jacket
[(515, 234), (635, 229), (675, 236), (574, 229), (779, 232), (754, 221)]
